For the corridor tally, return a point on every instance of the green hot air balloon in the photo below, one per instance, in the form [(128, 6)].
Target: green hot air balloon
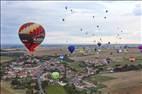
[(55, 75)]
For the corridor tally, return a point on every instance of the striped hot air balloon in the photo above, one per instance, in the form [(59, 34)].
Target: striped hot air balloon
[(31, 34)]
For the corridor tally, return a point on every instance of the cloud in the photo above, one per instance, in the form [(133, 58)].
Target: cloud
[(50, 14)]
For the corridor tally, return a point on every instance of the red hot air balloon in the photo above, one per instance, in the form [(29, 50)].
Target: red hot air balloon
[(31, 35)]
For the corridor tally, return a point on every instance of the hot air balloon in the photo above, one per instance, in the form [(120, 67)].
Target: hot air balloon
[(55, 75), (81, 29), (71, 48), (31, 34), (97, 26), (93, 17), (99, 44), (106, 11), (63, 19), (71, 10), (108, 42), (66, 7), (140, 48), (105, 17)]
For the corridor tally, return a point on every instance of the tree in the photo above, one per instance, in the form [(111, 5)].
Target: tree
[(16, 82), (45, 84)]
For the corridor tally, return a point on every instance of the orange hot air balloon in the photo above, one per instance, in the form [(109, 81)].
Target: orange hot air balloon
[(31, 35)]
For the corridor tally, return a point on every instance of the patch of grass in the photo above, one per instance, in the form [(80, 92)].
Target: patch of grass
[(55, 89), (138, 61), (99, 86), (99, 78)]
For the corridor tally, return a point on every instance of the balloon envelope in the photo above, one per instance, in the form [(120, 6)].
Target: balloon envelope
[(55, 75), (140, 47), (63, 19), (105, 17), (108, 42), (31, 35), (99, 44), (66, 7), (71, 48)]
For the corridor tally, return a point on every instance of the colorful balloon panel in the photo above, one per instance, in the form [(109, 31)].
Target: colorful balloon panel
[(31, 35)]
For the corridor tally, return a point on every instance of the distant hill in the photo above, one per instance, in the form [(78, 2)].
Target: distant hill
[(65, 45)]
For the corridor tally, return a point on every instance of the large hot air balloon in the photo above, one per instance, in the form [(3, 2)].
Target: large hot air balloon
[(31, 34), (55, 75), (71, 48), (106, 11)]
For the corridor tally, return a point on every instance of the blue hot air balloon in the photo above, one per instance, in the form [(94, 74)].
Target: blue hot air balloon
[(71, 48)]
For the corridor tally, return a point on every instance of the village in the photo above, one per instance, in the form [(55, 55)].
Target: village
[(38, 71)]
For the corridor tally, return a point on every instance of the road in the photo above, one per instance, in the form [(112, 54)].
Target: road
[(39, 85), (39, 79)]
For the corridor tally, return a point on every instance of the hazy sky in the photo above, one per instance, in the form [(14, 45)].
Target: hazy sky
[(122, 15)]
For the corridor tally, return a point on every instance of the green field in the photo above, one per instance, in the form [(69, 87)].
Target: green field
[(99, 78), (55, 89)]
